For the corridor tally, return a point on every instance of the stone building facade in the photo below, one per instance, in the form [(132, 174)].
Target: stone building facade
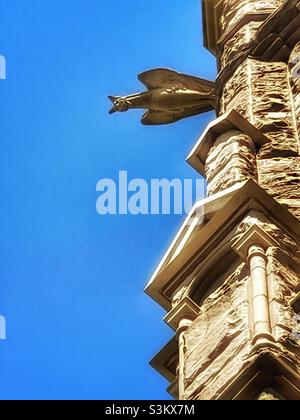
[(230, 281)]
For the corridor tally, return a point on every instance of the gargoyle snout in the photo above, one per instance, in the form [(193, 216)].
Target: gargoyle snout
[(114, 100), (120, 104), (112, 111)]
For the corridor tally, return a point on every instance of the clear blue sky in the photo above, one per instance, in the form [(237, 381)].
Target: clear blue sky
[(71, 282)]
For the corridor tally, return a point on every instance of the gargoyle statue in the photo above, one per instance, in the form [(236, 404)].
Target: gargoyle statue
[(171, 96)]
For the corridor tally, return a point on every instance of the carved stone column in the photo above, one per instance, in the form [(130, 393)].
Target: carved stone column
[(260, 296), (180, 318), (253, 247), (294, 67), (183, 326)]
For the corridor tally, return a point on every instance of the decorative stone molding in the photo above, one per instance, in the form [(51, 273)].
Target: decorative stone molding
[(212, 14), (180, 319), (202, 248), (255, 378), (166, 361), (255, 236), (185, 310)]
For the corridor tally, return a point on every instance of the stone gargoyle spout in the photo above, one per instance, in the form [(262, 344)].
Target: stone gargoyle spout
[(171, 96)]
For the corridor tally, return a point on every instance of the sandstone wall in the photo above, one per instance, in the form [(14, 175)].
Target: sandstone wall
[(294, 67), (235, 10), (218, 343), (231, 160), (280, 177), (218, 340), (261, 93)]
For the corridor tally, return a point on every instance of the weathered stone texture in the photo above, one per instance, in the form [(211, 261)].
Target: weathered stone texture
[(261, 93), (269, 395), (267, 94), (294, 65), (235, 10), (218, 343), (245, 279), (284, 278), (232, 159), (215, 349), (238, 42), (287, 244), (280, 177)]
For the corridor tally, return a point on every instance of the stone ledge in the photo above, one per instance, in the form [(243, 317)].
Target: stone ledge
[(255, 377), (208, 237), (211, 11), (166, 361), (186, 309), (255, 235), (232, 120)]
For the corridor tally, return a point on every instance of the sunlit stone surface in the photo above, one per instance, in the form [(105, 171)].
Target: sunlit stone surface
[(233, 288)]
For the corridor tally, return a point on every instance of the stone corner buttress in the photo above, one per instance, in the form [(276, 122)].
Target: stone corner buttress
[(230, 282)]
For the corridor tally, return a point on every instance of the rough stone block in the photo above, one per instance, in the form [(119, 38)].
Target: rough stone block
[(280, 177), (231, 160), (235, 10), (261, 93), (219, 339)]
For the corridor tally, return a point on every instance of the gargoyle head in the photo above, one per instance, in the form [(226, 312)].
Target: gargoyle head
[(120, 104)]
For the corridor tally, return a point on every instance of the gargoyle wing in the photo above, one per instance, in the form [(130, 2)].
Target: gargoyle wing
[(165, 78), (160, 118)]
